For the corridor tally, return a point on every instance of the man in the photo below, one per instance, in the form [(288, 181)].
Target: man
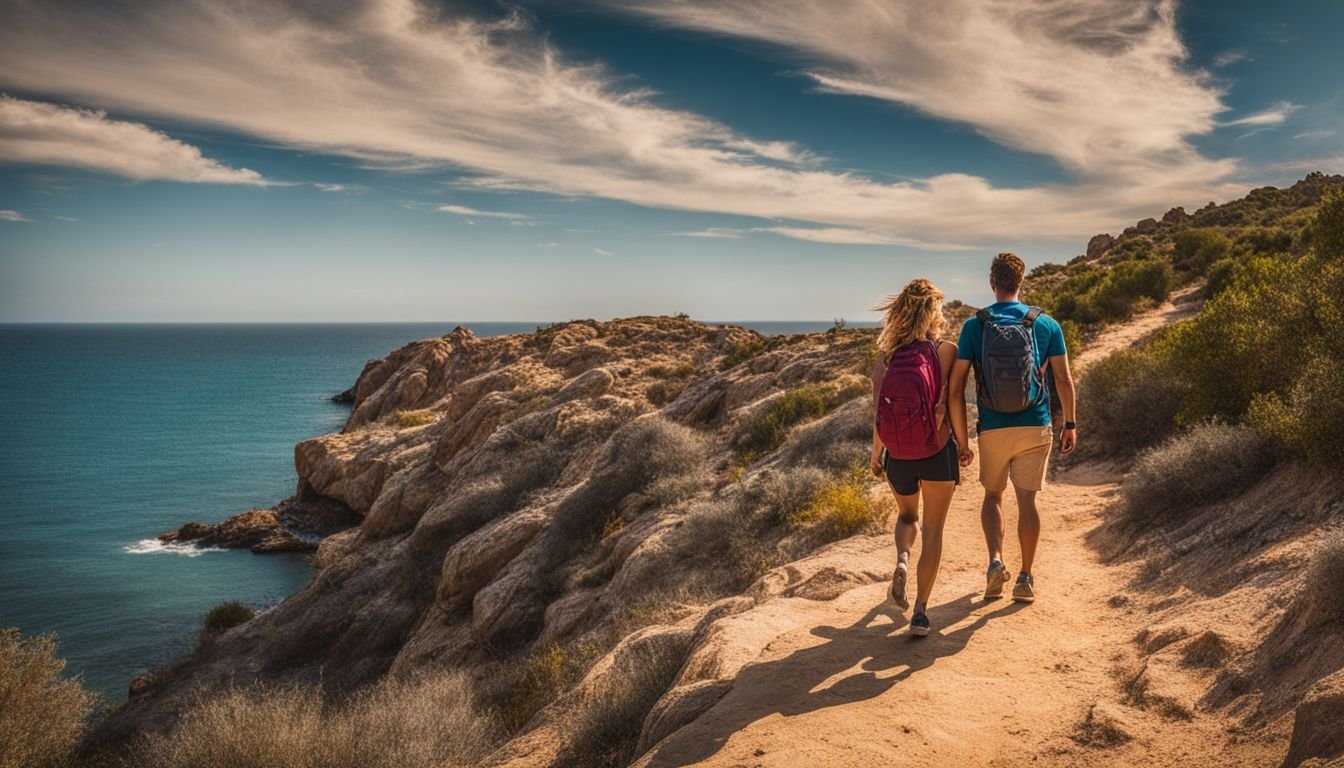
[(1015, 441)]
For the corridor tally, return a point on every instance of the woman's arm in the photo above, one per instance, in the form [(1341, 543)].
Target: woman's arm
[(875, 460), (956, 400)]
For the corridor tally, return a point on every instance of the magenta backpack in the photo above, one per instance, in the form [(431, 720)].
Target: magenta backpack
[(907, 421)]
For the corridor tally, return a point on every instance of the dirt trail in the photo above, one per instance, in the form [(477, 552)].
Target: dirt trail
[(997, 683)]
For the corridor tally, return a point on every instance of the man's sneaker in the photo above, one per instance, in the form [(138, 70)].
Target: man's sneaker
[(1023, 591), (919, 624), (898, 580), (995, 578)]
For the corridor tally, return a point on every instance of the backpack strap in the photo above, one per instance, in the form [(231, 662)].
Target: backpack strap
[(983, 316), (1032, 314)]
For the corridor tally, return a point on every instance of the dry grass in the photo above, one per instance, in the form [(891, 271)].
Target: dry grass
[(41, 713), (418, 418), (610, 718), (771, 426), (521, 689), (1206, 464), (426, 721)]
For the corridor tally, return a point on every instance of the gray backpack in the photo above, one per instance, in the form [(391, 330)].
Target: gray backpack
[(1006, 375)]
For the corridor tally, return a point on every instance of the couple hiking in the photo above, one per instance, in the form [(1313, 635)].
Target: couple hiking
[(920, 439)]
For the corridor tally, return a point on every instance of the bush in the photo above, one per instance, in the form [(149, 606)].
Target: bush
[(808, 401), (1311, 419), (424, 721), (1195, 249), (1219, 277), (542, 676), (1245, 341), (841, 508), (835, 441), (610, 719), (740, 353), (1091, 295), (1325, 581), (226, 616), (418, 418), (41, 714), (1128, 401), (1206, 464)]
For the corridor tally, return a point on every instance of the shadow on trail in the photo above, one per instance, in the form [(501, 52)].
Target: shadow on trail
[(877, 656)]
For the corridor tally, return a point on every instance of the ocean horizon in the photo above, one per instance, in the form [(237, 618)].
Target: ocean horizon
[(120, 431)]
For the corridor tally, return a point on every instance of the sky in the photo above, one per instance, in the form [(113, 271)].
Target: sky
[(540, 160)]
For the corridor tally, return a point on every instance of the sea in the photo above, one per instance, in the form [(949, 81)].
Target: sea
[(111, 434)]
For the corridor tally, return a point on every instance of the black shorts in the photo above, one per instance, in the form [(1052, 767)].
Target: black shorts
[(904, 475)]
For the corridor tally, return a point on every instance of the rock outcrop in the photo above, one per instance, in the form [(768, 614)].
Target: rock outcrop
[(543, 485)]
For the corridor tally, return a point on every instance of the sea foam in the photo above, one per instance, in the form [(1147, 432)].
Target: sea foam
[(154, 547)]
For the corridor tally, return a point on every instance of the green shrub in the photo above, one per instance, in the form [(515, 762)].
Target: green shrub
[(802, 403), (1246, 340), (1266, 239), (1310, 420), (1208, 463), (226, 616), (1128, 401), (1195, 249), (1073, 336), (1093, 295), (417, 418), (741, 352), (417, 723), (41, 713), (1218, 277), (1327, 228)]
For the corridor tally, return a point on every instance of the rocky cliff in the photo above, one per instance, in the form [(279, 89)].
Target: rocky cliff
[(496, 496)]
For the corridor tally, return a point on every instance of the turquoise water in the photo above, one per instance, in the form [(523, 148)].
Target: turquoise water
[(114, 433)]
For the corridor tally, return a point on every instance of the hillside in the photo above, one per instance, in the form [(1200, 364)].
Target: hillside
[(648, 539)]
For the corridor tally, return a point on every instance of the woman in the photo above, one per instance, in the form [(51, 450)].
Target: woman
[(919, 435)]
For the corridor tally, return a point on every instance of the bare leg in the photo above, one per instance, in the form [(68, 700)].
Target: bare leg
[(1028, 527), (937, 500), (907, 523), (991, 519)]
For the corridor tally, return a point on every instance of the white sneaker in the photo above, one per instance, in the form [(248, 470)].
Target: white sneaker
[(898, 581)]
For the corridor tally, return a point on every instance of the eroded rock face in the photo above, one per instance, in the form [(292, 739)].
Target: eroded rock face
[(506, 492), (1318, 724), (1099, 245)]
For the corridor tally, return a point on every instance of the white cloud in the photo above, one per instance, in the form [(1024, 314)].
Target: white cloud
[(1275, 115), (13, 216), (462, 210), (601, 252), (1228, 58), (1321, 134), (726, 233), (51, 134), (547, 245), (1100, 88), (331, 187), (65, 218)]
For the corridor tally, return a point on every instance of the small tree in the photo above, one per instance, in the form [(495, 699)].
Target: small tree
[(41, 713)]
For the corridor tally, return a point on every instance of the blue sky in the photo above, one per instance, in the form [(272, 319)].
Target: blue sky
[(545, 160)]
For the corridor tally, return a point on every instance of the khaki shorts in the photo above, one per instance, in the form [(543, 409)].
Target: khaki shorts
[(1017, 452)]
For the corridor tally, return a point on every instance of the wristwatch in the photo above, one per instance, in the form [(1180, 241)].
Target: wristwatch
[(1070, 425)]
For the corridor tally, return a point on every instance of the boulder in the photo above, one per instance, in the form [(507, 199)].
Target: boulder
[(1098, 245), (1318, 724), (474, 561), (1175, 216)]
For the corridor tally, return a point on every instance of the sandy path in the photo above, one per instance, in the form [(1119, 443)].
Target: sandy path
[(1182, 304), (997, 683)]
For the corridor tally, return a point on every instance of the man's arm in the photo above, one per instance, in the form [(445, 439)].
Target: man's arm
[(957, 392), (1059, 365)]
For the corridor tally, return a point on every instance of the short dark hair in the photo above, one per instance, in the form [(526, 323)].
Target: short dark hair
[(1006, 272)]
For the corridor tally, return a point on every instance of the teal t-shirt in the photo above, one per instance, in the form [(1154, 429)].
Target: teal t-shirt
[(1049, 343)]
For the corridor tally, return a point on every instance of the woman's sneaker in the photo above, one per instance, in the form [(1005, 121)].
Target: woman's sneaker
[(1023, 590), (919, 624), (995, 578), (898, 581)]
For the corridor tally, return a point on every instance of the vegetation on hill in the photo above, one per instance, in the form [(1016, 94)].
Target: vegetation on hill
[(1263, 351), (42, 713)]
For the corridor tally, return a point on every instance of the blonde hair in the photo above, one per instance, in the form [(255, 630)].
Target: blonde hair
[(915, 313)]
